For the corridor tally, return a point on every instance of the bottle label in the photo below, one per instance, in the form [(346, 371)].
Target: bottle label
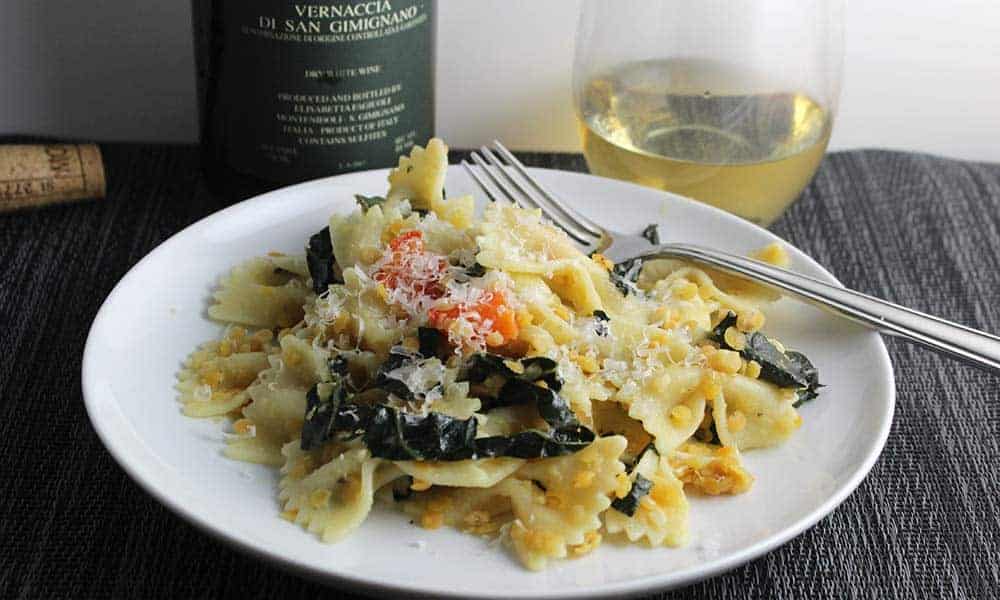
[(307, 90)]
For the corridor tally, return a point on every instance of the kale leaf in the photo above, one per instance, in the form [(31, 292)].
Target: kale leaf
[(338, 365), (391, 434), (433, 342), (476, 270), (322, 263), (323, 403), (811, 374), (366, 202), (398, 358), (551, 406), (784, 369), (601, 327), (625, 274), (519, 388), (395, 435), (640, 487), (628, 505), (541, 368), (536, 444), (652, 234)]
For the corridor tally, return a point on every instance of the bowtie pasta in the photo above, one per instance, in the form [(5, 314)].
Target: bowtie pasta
[(483, 373)]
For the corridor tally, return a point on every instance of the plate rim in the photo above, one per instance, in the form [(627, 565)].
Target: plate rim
[(649, 584)]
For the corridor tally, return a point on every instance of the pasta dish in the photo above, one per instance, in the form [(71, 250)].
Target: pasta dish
[(478, 371)]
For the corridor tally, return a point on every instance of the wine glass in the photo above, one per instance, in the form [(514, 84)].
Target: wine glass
[(730, 102)]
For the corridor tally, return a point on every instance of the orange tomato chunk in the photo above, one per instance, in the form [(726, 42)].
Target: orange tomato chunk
[(490, 314)]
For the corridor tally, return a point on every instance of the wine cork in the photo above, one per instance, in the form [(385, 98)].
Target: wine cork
[(39, 175)]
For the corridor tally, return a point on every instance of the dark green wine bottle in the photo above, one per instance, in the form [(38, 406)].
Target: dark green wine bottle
[(294, 90)]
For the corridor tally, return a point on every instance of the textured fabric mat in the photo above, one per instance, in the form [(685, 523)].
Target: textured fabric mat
[(915, 229)]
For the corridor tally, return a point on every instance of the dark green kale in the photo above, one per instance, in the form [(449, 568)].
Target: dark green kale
[(536, 444), (811, 374), (338, 365), (640, 487), (476, 270), (433, 343), (625, 274), (551, 406), (481, 366), (783, 369), (323, 403), (366, 202), (398, 358), (464, 270), (392, 434), (602, 328), (652, 234), (630, 503), (540, 368), (322, 263)]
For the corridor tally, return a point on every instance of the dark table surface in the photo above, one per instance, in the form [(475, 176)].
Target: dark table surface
[(914, 229)]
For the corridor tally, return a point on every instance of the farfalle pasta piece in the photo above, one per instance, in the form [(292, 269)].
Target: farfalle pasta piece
[(214, 379), (481, 473), (304, 362), (564, 507), (726, 291), (481, 511), (572, 283), (517, 241), (290, 263), (330, 499), (277, 403), (420, 176), (546, 309), (710, 469), (357, 238), (757, 414), (670, 406), (259, 294), (612, 418)]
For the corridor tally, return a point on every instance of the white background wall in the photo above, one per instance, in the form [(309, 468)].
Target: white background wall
[(920, 74)]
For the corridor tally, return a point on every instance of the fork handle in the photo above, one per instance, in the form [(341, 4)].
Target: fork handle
[(971, 345)]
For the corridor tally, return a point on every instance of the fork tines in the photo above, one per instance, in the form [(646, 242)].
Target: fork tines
[(509, 180)]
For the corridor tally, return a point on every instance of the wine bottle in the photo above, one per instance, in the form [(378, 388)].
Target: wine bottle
[(292, 90)]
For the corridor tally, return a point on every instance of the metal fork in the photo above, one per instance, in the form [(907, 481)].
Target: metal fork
[(509, 180)]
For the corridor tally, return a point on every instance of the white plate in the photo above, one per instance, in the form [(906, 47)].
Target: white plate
[(157, 314)]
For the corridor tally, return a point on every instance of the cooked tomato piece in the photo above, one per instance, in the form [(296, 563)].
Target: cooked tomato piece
[(491, 314)]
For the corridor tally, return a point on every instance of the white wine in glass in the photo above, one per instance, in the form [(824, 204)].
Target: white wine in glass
[(711, 128)]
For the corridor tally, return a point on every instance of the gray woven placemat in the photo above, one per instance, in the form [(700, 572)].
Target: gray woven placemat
[(915, 229)]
